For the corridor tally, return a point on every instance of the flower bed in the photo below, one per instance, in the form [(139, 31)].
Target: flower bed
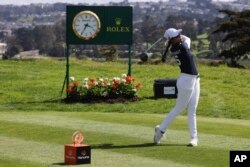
[(117, 89)]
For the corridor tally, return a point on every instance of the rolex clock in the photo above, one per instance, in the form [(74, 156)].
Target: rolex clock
[(86, 25)]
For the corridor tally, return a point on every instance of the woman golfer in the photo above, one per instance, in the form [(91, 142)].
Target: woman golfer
[(188, 85)]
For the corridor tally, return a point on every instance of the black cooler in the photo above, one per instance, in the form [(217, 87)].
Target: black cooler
[(165, 88)]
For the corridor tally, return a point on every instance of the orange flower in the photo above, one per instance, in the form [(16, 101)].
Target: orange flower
[(138, 85), (68, 88), (92, 80), (129, 79), (90, 84), (75, 83), (116, 82)]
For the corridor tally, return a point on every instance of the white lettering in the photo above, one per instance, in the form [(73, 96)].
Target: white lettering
[(240, 158), (83, 157), (118, 29), (243, 157), (237, 158)]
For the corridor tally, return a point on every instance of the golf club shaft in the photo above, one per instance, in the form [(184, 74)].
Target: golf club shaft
[(152, 45)]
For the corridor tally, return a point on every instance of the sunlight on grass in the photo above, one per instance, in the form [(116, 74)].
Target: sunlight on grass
[(224, 91), (35, 123)]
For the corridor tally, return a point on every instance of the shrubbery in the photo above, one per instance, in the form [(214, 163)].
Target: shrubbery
[(124, 87)]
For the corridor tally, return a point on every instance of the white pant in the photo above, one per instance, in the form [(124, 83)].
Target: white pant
[(188, 96)]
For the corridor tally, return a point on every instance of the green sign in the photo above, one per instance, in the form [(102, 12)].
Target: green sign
[(99, 25)]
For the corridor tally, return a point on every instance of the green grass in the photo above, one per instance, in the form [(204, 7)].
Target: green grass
[(203, 36), (36, 86), (115, 136), (35, 125)]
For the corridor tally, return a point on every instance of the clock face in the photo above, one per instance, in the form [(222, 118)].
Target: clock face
[(86, 25)]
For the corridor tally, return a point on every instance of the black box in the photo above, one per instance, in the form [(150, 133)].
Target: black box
[(239, 158), (165, 88), (77, 154)]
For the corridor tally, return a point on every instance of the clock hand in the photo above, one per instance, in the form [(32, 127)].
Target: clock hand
[(89, 26), (85, 26)]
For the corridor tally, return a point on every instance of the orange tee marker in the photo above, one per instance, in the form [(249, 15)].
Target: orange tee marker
[(77, 153)]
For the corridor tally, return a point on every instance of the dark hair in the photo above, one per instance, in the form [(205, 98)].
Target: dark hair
[(175, 37)]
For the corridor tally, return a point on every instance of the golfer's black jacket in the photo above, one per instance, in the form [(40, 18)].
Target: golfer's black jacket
[(185, 59)]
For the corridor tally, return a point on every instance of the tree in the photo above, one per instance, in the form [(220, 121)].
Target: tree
[(236, 30), (24, 38), (44, 38), (12, 50), (188, 25), (58, 50), (59, 30), (150, 28)]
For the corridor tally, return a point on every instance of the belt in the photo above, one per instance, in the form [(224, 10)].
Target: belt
[(192, 76)]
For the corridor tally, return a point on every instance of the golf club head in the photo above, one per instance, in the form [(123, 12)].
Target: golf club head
[(144, 57)]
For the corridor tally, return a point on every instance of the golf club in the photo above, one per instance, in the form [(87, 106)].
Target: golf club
[(144, 55)]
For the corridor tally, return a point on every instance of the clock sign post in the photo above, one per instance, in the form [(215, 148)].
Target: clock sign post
[(98, 25)]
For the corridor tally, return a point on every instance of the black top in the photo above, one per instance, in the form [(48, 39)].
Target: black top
[(185, 59)]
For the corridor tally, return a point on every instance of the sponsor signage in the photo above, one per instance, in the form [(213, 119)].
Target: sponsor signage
[(99, 25), (77, 154), (169, 90)]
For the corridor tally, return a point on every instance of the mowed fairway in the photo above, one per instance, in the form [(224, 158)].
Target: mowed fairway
[(35, 123), (117, 139)]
